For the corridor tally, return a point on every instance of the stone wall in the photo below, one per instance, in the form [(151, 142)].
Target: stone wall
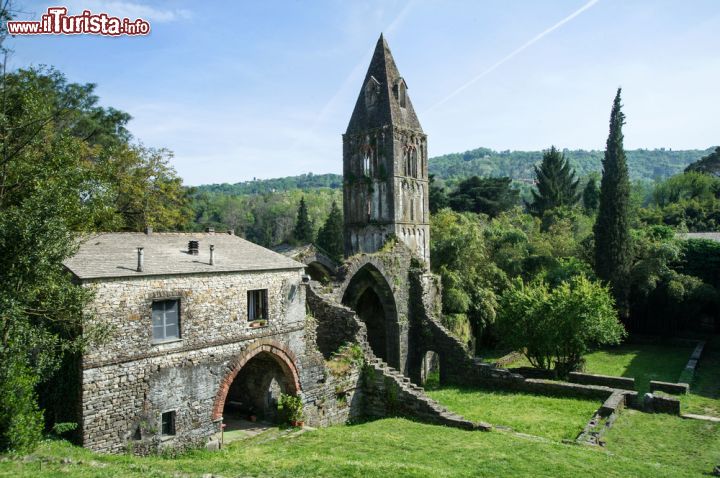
[(128, 382), (213, 310)]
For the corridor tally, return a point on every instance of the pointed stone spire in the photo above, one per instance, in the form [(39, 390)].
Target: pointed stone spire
[(383, 98)]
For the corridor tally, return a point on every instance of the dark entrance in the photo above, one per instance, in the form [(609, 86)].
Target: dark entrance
[(370, 296), (255, 392)]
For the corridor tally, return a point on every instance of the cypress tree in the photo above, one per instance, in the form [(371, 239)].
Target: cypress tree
[(330, 237), (612, 226), (303, 232), (591, 196), (556, 184)]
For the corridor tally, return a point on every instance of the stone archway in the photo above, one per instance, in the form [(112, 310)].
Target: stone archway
[(255, 377), (369, 294)]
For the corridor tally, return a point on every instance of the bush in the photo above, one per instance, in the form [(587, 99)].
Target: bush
[(21, 422), (555, 327), (290, 408)]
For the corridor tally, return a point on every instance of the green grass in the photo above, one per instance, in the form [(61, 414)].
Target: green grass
[(644, 362), (392, 447), (704, 397), (549, 417), (659, 439)]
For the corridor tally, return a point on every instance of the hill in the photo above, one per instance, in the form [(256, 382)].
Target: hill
[(645, 164)]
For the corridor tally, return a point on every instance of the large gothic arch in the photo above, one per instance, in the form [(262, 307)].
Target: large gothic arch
[(369, 294)]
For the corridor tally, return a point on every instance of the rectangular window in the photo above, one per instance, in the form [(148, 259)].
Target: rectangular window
[(257, 305), (168, 423), (166, 320)]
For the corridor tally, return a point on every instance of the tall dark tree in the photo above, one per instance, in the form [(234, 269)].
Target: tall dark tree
[(489, 196), (556, 184), (591, 195), (612, 227), (330, 237), (303, 231), (709, 164), (438, 195)]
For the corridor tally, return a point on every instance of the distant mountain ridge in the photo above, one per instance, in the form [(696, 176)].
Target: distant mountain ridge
[(644, 164)]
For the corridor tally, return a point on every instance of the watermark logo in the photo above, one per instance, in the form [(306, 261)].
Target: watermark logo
[(56, 21)]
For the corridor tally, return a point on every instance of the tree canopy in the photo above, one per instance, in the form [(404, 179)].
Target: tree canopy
[(556, 184), (489, 196)]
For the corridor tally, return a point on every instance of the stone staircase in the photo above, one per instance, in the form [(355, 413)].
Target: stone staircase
[(389, 393)]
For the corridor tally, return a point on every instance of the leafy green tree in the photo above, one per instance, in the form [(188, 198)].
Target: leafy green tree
[(709, 164), (469, 277), (591, 195), (489, 196), (613, 248), (303, 232), (556, 184), (438, 195), (330, 237), (49, 188), (690, 185), (554, 327), (145, 189)]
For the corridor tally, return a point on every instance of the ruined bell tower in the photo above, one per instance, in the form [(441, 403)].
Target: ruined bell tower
[(385, 166)]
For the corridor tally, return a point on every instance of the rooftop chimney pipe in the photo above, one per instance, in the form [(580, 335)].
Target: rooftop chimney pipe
[(148, 230), (212, 255), (141, 259), (210, 229), (193, 248)]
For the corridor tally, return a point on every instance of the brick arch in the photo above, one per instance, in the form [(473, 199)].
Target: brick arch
[(284, 357)]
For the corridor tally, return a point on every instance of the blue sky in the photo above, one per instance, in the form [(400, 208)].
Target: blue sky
[(243, 89)]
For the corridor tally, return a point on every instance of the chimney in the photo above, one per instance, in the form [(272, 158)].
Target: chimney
[(193, 248), (141, 259), (212, 255), (148, 230), (210, 229), (231, 232)]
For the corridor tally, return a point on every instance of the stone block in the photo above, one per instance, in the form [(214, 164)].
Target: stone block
[(668, 387), (624, 383)]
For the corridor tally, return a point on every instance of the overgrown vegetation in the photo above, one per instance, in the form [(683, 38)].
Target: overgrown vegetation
[(347, 358)]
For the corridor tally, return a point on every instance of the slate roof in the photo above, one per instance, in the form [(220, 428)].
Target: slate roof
[(115, 255), (387, 111), (713, 236)]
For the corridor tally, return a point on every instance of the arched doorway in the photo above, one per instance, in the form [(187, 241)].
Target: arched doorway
[(370, 296), (252, 387), (430, 369)]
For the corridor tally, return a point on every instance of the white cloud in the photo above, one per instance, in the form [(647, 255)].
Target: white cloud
[(131, 10)]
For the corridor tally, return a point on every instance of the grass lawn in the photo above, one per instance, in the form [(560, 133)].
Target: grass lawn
[(549, 417), (659, 439), (391, 447), (645, 362), (704, 397)]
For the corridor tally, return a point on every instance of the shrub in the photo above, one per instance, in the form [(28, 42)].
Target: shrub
[(555, 327), (290, 408), (21, 421)]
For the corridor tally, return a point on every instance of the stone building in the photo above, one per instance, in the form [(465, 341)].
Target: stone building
[(199, 327), (385, 165)]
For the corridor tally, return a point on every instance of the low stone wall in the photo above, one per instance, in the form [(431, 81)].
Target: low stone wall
[(532, 372), (624, 383), (604, 418), (657, 403), (677, 388)]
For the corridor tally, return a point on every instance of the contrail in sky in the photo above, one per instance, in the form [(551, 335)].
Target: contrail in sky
[(514, 53)]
